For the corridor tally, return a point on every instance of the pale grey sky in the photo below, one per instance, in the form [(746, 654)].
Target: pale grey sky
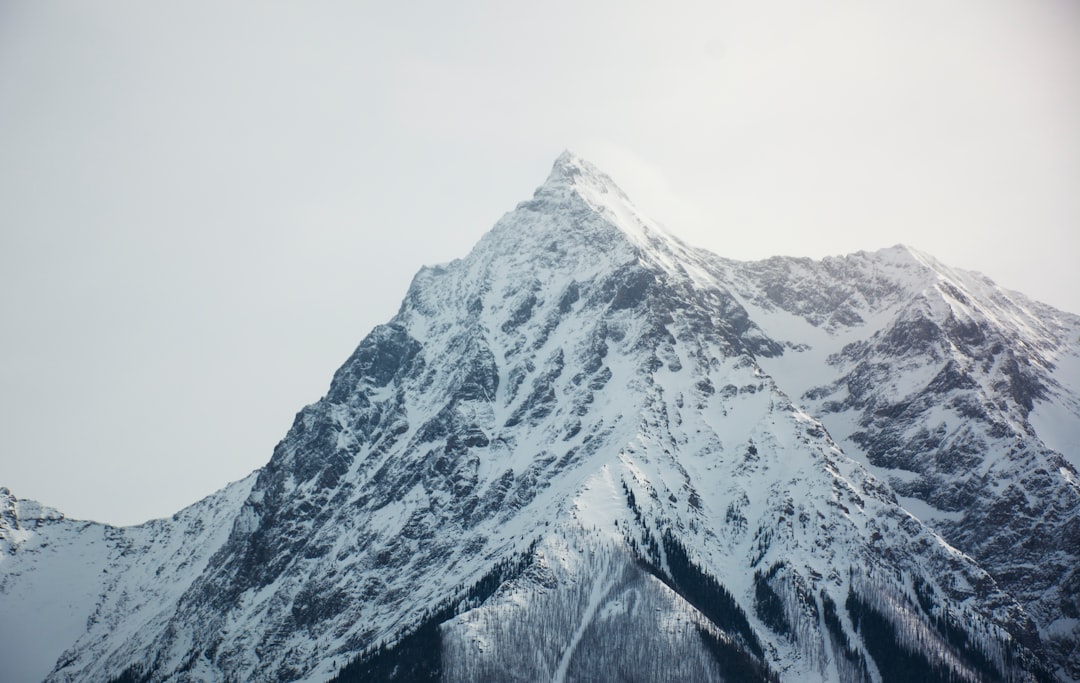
[(204, 206)]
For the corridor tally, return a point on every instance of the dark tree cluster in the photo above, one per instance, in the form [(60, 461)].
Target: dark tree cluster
[(417, 654), (740, 655), (904, 653)]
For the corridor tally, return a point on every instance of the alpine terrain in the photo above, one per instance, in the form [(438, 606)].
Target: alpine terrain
[(590, 452)]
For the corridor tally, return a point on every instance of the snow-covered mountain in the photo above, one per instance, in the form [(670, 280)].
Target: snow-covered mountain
[(588, 451)]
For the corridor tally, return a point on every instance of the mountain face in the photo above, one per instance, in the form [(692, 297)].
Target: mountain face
[(588, 451)]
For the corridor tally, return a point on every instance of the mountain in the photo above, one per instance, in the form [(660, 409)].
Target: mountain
[(589, 451)]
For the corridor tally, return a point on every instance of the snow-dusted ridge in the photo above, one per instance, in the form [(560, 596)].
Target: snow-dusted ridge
[(63, 579), (589, 451)]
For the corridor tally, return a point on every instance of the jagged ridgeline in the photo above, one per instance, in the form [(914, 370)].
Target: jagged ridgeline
[(589, 452)]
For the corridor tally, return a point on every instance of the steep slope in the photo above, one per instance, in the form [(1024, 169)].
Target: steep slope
[(945, 385), (63, 579), (583, 452), (62, 559)]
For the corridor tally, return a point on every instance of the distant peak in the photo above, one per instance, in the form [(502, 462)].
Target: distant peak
[(567, 157), (901, 249), (568, 161), (566, 168), (902, 253), (572, 171)]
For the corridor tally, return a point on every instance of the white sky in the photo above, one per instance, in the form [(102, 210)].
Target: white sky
[(204, 206)]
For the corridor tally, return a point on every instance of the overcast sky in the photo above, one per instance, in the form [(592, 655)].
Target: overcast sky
[(204, 206)]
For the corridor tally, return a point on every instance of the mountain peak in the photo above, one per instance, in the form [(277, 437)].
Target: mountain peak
[(572, 172), (576, 187), (924, 271), (566, 158), (906, 254)]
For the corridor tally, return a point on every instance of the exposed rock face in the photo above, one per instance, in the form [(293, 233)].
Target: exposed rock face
[(587, 435), (931, 378)]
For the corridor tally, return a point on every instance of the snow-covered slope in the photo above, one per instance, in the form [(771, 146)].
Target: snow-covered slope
[(59, 575), (961, 395), (588, 451), (62, 580)]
